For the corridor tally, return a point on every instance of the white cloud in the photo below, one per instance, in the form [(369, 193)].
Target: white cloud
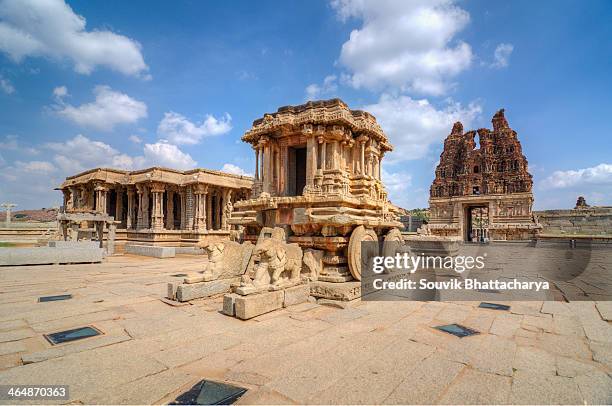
[(596, 175), (177, 129), (502, 55), (60, 92), (109, 109), (31, 183), (329, 87), (35, 166), (166, 155), (11, 143), (6, 86), (135, 139), (404, 44), (50, 28), (81, 153), (413, 125), (234, 169), (397, 184)]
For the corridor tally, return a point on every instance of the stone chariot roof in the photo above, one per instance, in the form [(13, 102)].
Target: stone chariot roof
[(292, 119)]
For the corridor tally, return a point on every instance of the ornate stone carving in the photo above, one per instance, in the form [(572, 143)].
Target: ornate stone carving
[(492, 179), (226, 259), (277, 265), (320, 179)]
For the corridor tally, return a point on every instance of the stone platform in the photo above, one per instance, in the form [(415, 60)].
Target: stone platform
[(372, 353), (49, 255)]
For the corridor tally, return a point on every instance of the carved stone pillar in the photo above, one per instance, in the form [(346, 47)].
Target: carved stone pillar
[(72, 200), (362, 140), (139, 214), (323, 157), (67, 199), (260, 153), (157, 214), (101, 195), (219, 208), (334, 155), (266, 166), (145, 207), (227, 208), (256, 163), (189, 209), (169, 210), (82, 200), (200, 194), (183, 209), (129, 223), (209, 217), (119, 205), (311, 162)]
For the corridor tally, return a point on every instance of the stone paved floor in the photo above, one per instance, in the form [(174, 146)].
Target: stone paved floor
[(374, 352)]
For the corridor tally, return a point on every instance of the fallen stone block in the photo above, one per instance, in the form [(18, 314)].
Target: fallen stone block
[(251, 306), (229, 304), (296, 295), (186, 292), (336, 291), (150, 251)]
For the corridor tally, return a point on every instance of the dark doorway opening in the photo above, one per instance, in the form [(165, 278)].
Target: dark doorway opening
[(176, 212), (111, 207), (297, 171)]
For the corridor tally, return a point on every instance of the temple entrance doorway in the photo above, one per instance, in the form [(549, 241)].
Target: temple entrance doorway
[(477, 223), (297, 171)]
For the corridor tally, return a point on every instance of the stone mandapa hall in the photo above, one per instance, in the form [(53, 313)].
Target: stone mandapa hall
[(159, 205)]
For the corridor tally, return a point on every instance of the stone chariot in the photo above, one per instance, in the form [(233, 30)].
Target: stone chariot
[(318, 176)]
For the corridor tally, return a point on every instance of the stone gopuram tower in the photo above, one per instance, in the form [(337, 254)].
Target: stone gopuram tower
[(483, 193)]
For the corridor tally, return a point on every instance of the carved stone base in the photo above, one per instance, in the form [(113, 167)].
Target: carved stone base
[(336, 291), (335, 269), (246, 307)]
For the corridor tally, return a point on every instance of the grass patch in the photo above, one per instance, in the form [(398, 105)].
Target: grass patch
[(7, 244)]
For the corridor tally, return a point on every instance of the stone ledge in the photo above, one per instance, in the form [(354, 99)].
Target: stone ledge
[(190, 291), (49, 255), (74, 244), (150, 251)]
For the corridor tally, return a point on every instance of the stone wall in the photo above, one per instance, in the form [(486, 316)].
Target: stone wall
[(587, 221)]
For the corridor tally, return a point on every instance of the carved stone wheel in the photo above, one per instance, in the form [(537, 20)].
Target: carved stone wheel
[(359, 235), (395, 239)]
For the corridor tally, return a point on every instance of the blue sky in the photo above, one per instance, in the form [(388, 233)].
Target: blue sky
[(142, 83)]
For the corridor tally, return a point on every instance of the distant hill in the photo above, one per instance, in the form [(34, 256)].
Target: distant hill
[(31, 215)]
